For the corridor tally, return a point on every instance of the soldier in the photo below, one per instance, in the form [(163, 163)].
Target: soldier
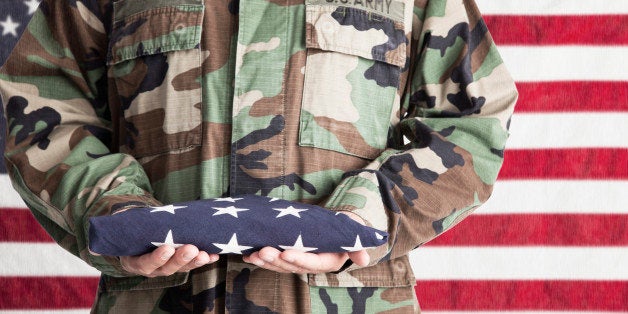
[(394, 111)]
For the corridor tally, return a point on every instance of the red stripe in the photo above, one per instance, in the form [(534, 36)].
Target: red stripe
[(47, 292), (474, 295), (572, 96), (596, 163), (19, 225), (530, 229), (558, 30)]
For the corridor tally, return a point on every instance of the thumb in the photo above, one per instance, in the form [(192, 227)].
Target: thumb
[(360, 258)]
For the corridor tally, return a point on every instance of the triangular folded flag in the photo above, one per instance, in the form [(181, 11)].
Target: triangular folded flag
[(238, 225)]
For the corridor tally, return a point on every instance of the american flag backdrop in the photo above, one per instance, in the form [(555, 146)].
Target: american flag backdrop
[(554, 236)]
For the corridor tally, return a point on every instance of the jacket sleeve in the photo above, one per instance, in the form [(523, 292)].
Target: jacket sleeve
[(453, 127), (58, 148)]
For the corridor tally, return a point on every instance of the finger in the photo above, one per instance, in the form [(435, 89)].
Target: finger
[(256, 260), (180, 259), (360, 258), (146, 264), (315, 263), (272, 261), (200, 260), (213, 258)]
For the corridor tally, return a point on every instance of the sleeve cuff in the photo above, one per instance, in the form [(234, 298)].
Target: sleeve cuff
[(360, 195)]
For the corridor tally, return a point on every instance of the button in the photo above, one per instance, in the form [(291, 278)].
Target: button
[(400, 266)]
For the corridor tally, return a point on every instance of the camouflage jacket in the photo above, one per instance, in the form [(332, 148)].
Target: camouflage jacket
[(396, 110)]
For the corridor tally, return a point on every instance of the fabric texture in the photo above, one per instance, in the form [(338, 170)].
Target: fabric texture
[(400, 118), (232, 225), (549, 202)]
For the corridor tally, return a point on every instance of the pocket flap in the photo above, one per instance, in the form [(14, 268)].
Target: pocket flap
[(143, 27), (392, 273), (110, 284), (370, 29)]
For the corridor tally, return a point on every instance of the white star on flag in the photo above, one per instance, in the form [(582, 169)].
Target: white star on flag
[(231, 210), (298, 245), (289, 211), (232, 246), (167, 208), (9, 27), (167, 241), (356, 247), (227, 199), (32, 6)]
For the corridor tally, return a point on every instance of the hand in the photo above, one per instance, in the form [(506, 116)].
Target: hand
[(165, 261), (294, 261)]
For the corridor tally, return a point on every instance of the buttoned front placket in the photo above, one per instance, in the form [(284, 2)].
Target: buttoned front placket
[(257, 143), (261, 59)]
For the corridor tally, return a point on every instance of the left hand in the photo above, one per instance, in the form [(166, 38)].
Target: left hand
[(294, 261)]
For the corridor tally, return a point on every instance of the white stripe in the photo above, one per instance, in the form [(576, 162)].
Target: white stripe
[(41, 259), (8, 196), (568, 130), (520, 263), (552, 7), (557, 197), (429, 263), (560, 63)]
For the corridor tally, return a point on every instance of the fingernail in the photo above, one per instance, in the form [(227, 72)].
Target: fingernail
[(199, 263), (187, 257), (268, 259), (259, 263), (289, 259)]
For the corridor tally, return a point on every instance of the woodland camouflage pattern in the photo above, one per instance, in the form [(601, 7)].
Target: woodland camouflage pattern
[(150, 102)]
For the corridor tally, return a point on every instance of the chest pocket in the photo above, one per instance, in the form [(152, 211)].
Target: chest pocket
[(355, 55), (155, 61)]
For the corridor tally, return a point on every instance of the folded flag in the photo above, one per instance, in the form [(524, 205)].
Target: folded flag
[(238, 225)]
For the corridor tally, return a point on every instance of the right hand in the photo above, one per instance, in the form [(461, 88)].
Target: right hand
[(165, 261)]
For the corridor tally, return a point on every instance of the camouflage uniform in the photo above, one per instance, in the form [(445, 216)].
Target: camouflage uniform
[(150, 102)]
